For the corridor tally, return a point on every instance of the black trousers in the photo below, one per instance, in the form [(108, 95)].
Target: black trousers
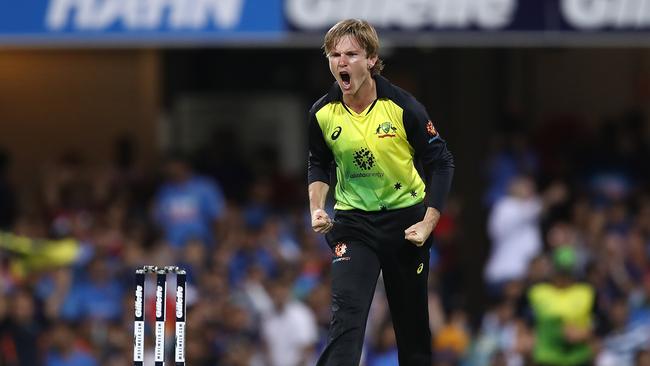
[(363, 244)]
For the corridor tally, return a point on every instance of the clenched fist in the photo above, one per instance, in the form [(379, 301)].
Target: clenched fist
[(321, 222), (418, 233)]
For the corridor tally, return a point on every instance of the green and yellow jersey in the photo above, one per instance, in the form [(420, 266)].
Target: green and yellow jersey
[(386, 157), (554, 308)]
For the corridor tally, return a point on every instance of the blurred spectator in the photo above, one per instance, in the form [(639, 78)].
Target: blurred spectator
[(19, 330), (613, 173), (72, 191), (236, 329), (257, 208), (295, 322), (640, 301), (187, 206), (514, 227), (194, 258), (29, 255), (243, 354), (95, 294), (384, 350), (511, 156), (275, 235), (116, 345), (624, 339), (563, 233), (452, 340), (253, 294), (502, 336), (67, 349), (250, 252), (563, 312), (319, 303)]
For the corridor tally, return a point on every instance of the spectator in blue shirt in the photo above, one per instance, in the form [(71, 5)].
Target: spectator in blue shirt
[(187, 206), (97, 296)]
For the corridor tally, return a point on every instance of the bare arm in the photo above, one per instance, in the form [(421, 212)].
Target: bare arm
[(317, 195)]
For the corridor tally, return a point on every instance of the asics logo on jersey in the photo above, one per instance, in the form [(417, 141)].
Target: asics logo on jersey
[(336, 133)]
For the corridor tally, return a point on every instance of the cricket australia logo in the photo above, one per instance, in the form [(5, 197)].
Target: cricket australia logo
[(364, 159), (385, 129)]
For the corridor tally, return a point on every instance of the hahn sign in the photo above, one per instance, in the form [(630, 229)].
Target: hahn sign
[(92, 15)]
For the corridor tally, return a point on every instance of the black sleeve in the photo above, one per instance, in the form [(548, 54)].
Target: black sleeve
[(431, 153), (320, 156)]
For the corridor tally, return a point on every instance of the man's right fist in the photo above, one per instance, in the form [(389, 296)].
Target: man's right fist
[(320, 221)]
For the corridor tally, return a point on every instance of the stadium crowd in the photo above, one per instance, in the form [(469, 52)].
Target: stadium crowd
[(571, 212)]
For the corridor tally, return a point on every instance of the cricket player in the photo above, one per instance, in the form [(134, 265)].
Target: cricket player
[(393, 174)]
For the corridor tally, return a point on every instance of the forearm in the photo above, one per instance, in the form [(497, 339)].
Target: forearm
[(317, 195), (431, 217)]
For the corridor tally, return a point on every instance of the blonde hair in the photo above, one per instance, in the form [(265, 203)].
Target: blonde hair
[(364, 33)]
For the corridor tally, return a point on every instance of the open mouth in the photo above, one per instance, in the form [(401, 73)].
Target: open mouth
[(345, 79)]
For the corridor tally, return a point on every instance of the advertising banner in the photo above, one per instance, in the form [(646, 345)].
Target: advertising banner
[(476, 15), (296, 22), (139, 21)]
